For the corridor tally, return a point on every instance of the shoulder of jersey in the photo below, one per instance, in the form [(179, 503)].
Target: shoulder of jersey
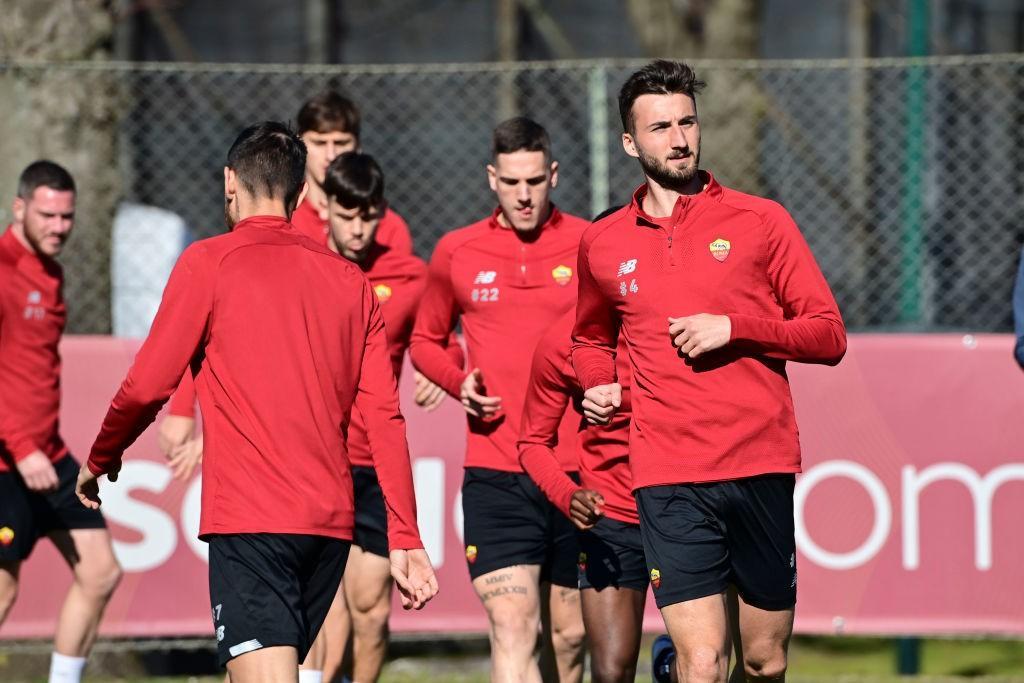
[(399, 264), (749, 202), (458, 237), (599, 227), (221, 245)]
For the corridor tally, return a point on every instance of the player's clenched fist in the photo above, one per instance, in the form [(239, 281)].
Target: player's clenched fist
[(694, 335), (600, 402), (474, 396), (585, 508), (414, 576)]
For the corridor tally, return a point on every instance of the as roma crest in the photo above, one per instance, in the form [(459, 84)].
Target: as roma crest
[(6, 536), (581, 562), (656, 578), (562, 275), (383, 292), (720, 249), (471, 553)]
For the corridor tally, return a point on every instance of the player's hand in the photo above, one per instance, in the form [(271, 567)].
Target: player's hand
[(474, 396), (586, 508), (427, 395), (694, 335), (88, 487), (414, 576), (38, 473), (184, 459), (601, 402), (175, 431)]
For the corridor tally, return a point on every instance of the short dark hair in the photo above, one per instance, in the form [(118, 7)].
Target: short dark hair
[(270, 161), (660, 77), (355, 181), (520, 134), (329, 112), (44, 173)]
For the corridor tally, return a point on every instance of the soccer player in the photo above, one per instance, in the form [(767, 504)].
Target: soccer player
[(508, 278), (37, 474), (354, 184), (329, 124), (713, 291), (612, 572), (283, 338)]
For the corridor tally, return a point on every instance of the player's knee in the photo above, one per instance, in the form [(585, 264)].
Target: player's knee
[(8, 594), (100, 580), (513, 630), (372, 621), (767, 664), (610, 666), (568, 637), (701, 663)]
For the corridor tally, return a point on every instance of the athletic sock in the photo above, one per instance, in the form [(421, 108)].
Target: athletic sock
[(310, 676), (64, 669)]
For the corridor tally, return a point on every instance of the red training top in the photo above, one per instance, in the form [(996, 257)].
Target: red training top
[(603, 450), (286, 335), (392, 231), (729, 413), (32, 318), (508, 290)]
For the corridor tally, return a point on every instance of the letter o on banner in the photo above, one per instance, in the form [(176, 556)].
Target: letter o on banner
[(879, 500)]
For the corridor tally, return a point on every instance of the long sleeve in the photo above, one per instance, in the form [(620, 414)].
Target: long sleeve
[(377, 403), (1018, 312), (183, 402), (547, 397), (596, 333), (176, 333), (812, 330), (435, 320), (20, 446)]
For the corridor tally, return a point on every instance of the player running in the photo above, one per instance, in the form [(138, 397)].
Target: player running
[(283, 337), (713, 291), (37, 474), (508, 278), (612, 571)]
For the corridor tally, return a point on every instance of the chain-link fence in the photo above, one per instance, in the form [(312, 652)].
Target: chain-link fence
[(905, 175)]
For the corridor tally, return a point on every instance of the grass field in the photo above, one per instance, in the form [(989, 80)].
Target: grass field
[(813, 660)]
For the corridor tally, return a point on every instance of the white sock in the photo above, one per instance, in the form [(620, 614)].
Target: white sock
[(64, 669), (310, 676)]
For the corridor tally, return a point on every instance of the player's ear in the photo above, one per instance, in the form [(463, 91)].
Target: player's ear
[(302, 194), (554, 173), (629, 144), (492, 177), (18, 209), (230, 182)]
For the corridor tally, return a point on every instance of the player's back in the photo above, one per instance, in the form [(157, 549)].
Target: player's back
[(283, 353)]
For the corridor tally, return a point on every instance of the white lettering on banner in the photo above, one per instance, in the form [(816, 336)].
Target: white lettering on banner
[(879, 499), (159, 537), (191, 507), (982, 489), (428, 476)]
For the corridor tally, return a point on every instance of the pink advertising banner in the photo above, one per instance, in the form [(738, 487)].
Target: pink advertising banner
[(906, 513)]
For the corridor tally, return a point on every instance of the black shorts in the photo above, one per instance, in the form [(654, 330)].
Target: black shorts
[(508, 521), (371, 526), (612, 555), (698, 538), (26, 516), (272, 589)]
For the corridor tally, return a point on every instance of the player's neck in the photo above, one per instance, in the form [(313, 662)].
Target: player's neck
[(660, 201), (315, 196), (261, 206), (18, 229)]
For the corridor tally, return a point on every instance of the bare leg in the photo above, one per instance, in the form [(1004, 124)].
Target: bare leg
[(511, 597), (700, 633), (765, 635), (562, 648), (266, 665), (96, 574), (334, 635), (368, 592), (8, 587), (614, 620)]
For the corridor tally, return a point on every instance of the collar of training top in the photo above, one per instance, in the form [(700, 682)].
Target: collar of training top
[(712, 190), (552, 222), (263, 222)]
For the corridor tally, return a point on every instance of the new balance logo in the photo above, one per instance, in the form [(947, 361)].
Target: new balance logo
[(485, 277), (626, 267)]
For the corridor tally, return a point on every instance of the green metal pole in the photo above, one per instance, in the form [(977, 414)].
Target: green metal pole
[(913, 219)]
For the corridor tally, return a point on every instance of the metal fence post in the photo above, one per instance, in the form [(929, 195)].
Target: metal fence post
[(597, 87)]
